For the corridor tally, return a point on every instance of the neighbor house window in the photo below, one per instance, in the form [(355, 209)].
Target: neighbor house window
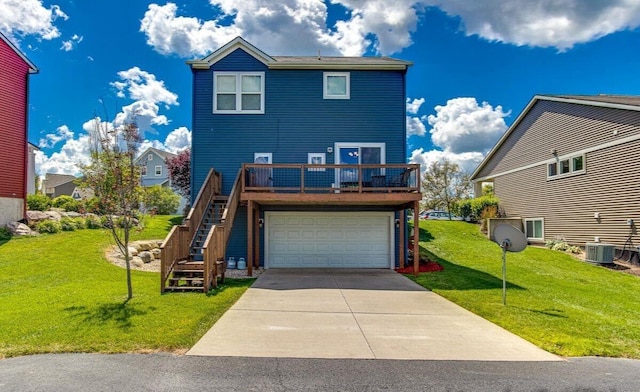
[(238, 92), (566, 166), (534, 228), (150, 157), (158, 170), (143, 170), (336, 85)]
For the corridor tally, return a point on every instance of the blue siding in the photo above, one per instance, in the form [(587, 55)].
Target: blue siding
[(297, 121)]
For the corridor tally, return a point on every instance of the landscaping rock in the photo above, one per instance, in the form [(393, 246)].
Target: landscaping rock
[(145, 245), (146, 256), (54, 215), (36, 216), (71, 214), (137, 262), (20, 229), (156, 253), (133, 251)]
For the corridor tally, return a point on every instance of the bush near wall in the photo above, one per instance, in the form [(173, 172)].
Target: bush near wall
[(477, 207), (38, 202)]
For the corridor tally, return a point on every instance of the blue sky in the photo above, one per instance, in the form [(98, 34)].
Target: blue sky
[(476, 63)]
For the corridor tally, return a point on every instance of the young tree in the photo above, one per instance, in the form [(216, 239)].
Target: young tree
[(115, 180), (179, 169), (443, 184)]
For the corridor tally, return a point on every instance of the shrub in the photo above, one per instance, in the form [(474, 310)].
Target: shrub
[(162, 200), (38, 202), (67, 224), (5, 234), (561, 245), (67, 203), (476, 207), (48, 226), (93, 222)]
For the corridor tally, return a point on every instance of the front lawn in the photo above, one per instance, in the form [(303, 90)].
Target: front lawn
[(563, 305), (59, 294)]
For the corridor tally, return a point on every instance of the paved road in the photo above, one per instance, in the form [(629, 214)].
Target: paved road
[(165, 372)]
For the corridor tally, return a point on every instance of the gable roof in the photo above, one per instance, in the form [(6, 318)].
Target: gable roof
[(625, 102), (32, 68), (53, 180), (299, 62), (162, 154)]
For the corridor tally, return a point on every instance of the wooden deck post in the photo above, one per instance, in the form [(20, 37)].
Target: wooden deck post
[(256, 243), (416, 238), (403, 227), (250, 226)]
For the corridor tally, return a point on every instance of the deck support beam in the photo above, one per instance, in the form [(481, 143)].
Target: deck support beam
[(403, 245), (250, 227)]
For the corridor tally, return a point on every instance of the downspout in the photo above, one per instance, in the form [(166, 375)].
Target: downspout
[(25, 166)]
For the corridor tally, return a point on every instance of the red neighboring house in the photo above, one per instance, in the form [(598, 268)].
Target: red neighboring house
[(15, 68)]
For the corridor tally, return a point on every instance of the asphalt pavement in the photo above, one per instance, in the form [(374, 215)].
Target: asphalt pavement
[(166, 372)]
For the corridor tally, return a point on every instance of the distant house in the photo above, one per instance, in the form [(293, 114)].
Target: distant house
[(15, 69), (153, 170), (55, 185), (569, 167), (31, 169), (298, 162)]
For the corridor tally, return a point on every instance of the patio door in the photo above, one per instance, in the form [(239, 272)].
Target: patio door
[(358, 154)]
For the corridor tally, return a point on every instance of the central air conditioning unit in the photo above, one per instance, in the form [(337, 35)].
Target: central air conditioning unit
[(599, 253)]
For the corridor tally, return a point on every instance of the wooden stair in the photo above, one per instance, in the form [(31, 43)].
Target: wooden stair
[(188, 274)]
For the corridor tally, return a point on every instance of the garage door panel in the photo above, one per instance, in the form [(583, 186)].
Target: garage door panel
[(337, 240)]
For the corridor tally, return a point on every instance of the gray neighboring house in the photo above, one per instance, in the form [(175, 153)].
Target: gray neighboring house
[(31, 168), (154, 170), (55, 185), (569, 167)]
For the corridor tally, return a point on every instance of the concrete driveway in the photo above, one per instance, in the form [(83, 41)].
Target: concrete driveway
[(366, 314)]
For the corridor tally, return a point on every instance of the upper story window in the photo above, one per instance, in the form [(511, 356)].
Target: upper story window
[(143, 170), (158, 170), (566, 166), (336, 85), (238, 92), (150, 157)]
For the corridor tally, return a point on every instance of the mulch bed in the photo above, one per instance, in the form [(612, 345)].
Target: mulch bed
[(424, 266)]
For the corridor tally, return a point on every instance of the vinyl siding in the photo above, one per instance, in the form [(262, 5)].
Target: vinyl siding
[(609, 186), (563, 127), (297, 121), (13, 96)]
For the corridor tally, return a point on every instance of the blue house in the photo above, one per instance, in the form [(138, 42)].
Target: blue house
[(297, 162), (153, 170)]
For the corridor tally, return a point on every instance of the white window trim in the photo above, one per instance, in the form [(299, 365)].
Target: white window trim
[(338, 146), (314, 155), (534, 220), (158, 172), (238, 93), (269, 156), (324, 85), (150, 157), (571, 172)]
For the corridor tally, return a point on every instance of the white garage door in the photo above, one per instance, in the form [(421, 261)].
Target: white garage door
[(329, 239)]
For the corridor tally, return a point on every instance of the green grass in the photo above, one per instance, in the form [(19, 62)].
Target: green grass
[(561, 304), (59, 294)]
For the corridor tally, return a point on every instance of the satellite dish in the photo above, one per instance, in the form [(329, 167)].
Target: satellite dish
[(510, 239)]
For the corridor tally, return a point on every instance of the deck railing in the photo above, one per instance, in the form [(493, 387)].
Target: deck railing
[(210, 188), (310, 178)]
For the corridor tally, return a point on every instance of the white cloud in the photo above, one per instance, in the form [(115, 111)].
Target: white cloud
[(29, 17), (73, 151), (68, 46), (178, 140), (462, 125), (415, 126), (414, 106), (143, 86), (544, 23), (50, 140), (467, 161), (376, 25), (144, 113)]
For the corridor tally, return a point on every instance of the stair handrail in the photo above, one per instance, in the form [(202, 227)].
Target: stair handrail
[(210, 188), (229, 214)]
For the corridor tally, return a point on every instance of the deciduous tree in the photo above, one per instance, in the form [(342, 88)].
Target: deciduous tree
[(443, 184), (179, 168), (115, 180)]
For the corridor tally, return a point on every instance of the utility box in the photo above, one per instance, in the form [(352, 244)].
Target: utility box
[(599, 253)]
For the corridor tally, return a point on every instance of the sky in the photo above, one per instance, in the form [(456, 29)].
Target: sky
[(476, 63)]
